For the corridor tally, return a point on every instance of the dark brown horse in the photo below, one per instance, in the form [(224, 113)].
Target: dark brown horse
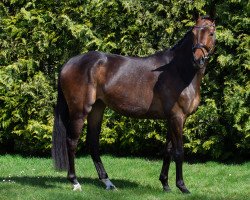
[(165, 85)]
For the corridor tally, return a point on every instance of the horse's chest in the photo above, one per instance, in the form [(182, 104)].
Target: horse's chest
[(189, 100)]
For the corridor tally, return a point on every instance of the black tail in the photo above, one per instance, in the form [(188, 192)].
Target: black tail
[(59, 144)]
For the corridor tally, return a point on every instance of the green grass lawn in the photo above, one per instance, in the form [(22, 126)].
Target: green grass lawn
[(135, 178)]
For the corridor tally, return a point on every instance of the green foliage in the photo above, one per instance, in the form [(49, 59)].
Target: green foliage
[(236, 103), (204, 132), (26, 113), (143, 137), (38, 37)]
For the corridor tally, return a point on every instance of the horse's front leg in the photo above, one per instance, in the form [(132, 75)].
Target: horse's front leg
[(176, 130), (75, 128), (166, 162)]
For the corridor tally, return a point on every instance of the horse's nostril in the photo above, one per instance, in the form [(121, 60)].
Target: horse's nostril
[(202, 61)]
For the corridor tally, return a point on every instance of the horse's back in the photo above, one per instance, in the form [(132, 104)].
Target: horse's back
[(125, 84)]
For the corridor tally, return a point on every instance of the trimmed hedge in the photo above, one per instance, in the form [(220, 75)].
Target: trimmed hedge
[(38, 37)]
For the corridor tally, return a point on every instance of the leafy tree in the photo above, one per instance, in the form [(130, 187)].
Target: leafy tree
[(38, 37)]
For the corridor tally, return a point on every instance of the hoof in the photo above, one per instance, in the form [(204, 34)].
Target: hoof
[(111, 187), (166, 189), (183, 189), (77, 187), (180, 184), (109, 184)]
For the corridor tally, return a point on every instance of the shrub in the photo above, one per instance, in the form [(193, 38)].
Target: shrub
[(38, 37)]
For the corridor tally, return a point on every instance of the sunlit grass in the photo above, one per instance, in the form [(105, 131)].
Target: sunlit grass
[(135, 178)]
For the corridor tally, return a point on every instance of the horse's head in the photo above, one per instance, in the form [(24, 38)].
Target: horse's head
[(204, 40)]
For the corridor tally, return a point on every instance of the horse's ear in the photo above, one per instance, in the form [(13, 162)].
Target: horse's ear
[(212, 10), (196, 14)]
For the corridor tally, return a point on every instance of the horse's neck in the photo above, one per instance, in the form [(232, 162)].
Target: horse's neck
[(184, 63)]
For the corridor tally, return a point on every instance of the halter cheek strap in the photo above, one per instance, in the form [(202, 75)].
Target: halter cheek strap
[(201, 62)]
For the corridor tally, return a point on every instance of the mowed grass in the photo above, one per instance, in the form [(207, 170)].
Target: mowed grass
[(135, 178)]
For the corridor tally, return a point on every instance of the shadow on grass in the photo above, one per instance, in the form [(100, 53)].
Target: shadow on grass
[(50, 182)]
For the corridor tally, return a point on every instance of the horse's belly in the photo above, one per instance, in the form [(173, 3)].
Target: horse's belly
[(129, 91), (126, 105), (137, 105)]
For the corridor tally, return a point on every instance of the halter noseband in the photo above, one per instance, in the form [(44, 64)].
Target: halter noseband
[(201, 62)]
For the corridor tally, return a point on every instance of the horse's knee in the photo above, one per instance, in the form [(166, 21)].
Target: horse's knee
[(169, 148), (178, 155), (72, 144)]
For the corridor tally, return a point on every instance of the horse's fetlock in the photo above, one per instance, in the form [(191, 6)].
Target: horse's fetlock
[(180, 183), (72, 178), (163, 178)]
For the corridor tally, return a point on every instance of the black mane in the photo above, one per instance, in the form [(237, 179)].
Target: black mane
[(181, 41), (171, 52)]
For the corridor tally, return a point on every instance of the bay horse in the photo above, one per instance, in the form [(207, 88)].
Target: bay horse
[(165, 85)]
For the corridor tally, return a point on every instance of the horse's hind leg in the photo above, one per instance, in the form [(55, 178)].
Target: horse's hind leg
[(93, 131), (74, 128), (78, 111)]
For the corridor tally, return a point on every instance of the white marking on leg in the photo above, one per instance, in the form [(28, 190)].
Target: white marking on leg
[(109, 184), (77, 187)]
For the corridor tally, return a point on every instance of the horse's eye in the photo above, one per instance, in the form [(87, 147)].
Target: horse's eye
[(211, 34)]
